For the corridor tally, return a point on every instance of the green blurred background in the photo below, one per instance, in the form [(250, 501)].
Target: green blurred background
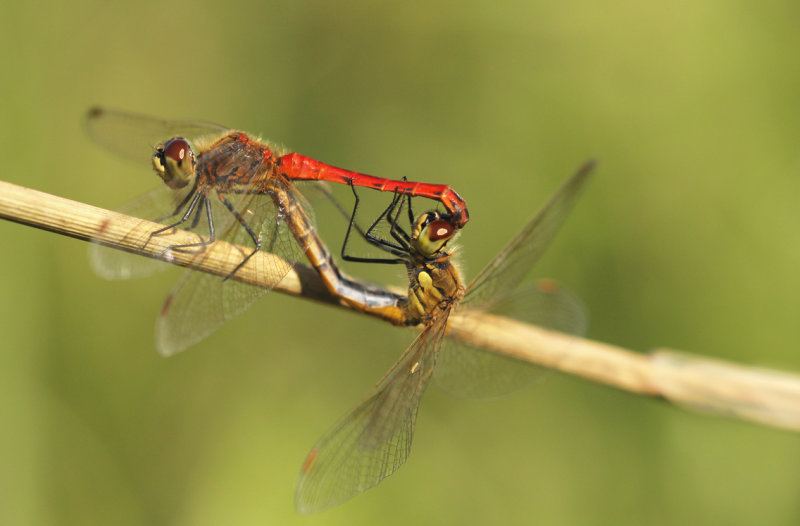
[(687, 237)]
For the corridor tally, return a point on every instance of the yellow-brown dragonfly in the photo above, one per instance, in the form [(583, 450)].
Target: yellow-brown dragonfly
[(374, 439)]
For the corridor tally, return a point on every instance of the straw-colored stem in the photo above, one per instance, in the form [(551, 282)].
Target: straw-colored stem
[(760, 395)]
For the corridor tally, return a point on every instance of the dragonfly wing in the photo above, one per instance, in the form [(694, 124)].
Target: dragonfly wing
[(111, 263), (135, 136), (504, 273), (201, 302), (373, 440), (197, 306), (473, 372)]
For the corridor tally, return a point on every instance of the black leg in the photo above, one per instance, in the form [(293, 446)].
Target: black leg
[(411, 216), (201, 244), (256, 239), (196, 199), (402, 243), (396, 250), (396, 231), (183, 203)]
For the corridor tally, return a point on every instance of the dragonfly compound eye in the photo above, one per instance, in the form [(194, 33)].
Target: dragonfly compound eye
[(174, 162), (432, 233), (440, 229)]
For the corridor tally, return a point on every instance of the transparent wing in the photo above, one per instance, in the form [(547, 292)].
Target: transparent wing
[(111, 263), (135, 136), (474, 372), (504, 273), (374, 439), (201, 302)]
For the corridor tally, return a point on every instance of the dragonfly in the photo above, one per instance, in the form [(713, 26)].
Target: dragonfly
[(374, 439), (225, 184)]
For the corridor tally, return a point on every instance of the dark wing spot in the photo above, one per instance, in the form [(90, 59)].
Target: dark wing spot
[(95, 112), (308, 463), (167, 305), (547, 286)]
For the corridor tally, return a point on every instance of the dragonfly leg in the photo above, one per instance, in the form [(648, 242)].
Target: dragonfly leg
[(394, 249), (411, 216), (255, 237), (200, 244), (197, 198), (184, 202), (396, 231)]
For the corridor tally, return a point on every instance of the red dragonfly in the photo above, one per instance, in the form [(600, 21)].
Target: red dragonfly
[(225, 184), (374, 439)]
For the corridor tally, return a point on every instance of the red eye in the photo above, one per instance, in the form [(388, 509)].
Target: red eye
[(440, 229), (177, 149)]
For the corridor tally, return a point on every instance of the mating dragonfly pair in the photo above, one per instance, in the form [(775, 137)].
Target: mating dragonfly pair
[(226, 185)]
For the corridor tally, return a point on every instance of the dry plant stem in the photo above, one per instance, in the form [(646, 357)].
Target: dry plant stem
[(759, 395), (86, 222)]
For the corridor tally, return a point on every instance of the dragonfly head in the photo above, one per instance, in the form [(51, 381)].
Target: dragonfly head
[(174, 162), (431, 233)]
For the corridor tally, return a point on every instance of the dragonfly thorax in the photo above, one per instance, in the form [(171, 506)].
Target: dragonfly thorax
[(432, 288), (236, 163), (434, 282)]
